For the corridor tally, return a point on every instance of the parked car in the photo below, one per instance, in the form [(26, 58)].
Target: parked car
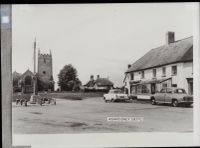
[(115, 95), (173, 96)]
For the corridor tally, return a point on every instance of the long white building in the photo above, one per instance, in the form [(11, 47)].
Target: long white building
[(170, 65)]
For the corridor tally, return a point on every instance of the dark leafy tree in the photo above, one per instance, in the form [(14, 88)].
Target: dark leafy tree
[(67, 78)]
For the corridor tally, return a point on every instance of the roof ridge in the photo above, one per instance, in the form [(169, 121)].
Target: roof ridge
[(162, 46), (160, 49), (182, 39)]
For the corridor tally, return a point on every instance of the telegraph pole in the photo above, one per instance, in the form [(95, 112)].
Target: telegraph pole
[(34, 56), (34, 68)]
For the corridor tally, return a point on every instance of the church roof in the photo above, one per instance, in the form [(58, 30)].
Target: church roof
[(178, 51), (27, 72), (16, 75)]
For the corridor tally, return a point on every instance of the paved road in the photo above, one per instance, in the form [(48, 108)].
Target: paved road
[(90, 115)]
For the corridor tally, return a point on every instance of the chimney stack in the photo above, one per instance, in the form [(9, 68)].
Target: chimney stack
[(98, 76), (129, 66), (170, 37), (91, 77)]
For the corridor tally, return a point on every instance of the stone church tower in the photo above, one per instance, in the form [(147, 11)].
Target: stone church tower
[(45, 72)]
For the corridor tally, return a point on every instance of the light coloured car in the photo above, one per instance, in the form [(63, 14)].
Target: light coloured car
[(173, 96), (115, 95)]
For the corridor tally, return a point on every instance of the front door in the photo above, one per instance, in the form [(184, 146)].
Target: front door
[(153, 88)]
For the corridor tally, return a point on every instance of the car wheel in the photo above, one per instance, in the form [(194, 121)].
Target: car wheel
[(106, 101), (153, 101), (174, 103)]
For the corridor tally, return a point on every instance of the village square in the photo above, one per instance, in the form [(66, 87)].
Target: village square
[(77, 107), (72, 87)]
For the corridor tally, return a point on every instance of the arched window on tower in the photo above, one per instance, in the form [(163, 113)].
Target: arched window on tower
[(44, 60), (28, 80)]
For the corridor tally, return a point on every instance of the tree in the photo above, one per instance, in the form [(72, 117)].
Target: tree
[(67, 78)]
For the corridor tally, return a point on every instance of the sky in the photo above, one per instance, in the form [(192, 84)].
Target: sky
[(97, 39)]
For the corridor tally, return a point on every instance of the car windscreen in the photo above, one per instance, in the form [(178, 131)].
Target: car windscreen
[(116, 91)]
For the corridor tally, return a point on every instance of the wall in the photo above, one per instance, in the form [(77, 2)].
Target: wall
[(184, 70), (47, 67)]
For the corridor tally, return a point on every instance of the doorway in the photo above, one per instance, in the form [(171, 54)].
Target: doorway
[(153, 88)]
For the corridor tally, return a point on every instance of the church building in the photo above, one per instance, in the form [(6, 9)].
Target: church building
[(43, 77)]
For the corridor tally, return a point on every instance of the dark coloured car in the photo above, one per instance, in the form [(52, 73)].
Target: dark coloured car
[(173, 96)]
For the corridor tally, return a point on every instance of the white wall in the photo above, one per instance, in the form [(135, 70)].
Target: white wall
[(184, 70)]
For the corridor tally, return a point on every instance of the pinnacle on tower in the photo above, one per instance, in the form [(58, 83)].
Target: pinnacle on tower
[(38, 51)]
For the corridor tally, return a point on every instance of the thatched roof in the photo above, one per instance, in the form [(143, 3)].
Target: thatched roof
[(99, 82), (179, 51), (103, 82)]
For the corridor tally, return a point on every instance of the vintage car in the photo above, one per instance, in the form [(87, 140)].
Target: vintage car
[(115, 95), (173, 96)]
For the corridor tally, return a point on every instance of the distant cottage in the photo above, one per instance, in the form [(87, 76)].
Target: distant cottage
[(44, 76), (170, 65), (100, 84)]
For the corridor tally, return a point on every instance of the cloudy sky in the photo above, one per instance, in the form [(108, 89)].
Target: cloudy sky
[(95, 38)]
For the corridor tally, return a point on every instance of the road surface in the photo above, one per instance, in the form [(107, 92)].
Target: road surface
[(90, 116)]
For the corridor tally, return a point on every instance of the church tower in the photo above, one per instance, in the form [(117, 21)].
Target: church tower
[(45, 70)]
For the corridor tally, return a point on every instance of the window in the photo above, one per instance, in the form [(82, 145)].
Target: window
[(133, 89), (44, 60), (174, 70), (142, 75), (169, 90), (174, 85), (180, 91), (154, 73), (142, 89), (164, 85), (162, 91), (132, 76), (164, 71), (44, 72)]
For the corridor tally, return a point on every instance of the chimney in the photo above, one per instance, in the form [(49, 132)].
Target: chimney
[(98, 76), (170, 37), (91, 77), (129, 66)]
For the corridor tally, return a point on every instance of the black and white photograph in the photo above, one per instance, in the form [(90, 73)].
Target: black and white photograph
[(102, 68)]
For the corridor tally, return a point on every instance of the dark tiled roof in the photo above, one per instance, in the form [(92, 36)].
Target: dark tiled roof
[(179, 51)]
